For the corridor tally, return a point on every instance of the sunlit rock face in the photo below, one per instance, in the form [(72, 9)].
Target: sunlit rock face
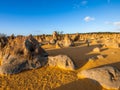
[(67, 42), (107, 76), (55, 35), (61, 61), (20, 54), (111, 44), (75, 37), (97, 49)]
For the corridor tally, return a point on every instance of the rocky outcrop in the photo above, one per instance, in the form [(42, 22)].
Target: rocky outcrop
[(54, 38), (67, 42), (55, 35), (21, 54), (107, 76), (53, 41), (75, 37), (111, 44), (61, 61), (3, 42)]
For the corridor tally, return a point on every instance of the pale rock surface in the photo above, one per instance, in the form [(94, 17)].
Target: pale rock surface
[(96, 49), (100, 56), (107, 76), (67, 42), (61, 61), (111, 44), (55, 35)]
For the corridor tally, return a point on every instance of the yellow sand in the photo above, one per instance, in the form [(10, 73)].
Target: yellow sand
[(47, 78)]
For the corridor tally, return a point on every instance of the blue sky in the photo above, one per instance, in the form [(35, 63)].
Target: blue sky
[(70, 16)]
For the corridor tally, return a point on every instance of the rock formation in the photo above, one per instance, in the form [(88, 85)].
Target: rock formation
[(3, 42), (96, 49), (100, 56), (21, 54), (61, 61), (54, 38), (66, 42), (107, 76), (75, 37), (55, 35), (111, 44)]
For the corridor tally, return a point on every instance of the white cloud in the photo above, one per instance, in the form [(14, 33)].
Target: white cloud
[(84, 2), (118, 29), (88, 18), (113, 23), (116, 23)]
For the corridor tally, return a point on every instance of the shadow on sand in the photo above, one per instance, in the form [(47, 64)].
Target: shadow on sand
[(81, 84), (86, 84), (117, 65), (77, 54), (94, 56)]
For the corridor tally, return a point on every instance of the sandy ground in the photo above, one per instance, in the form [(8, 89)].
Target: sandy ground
[(47, 78)]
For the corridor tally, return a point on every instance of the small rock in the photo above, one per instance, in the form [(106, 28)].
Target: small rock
[(96, 49), (100, 56), (92, 59)]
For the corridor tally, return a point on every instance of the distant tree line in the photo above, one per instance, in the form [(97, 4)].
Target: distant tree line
[(61, 33), (2, 35), (101, 33)]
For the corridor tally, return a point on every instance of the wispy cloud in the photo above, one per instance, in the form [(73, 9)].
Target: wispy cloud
[(118, 29), (116, 23), (88, 19), (107, 22), (113, 23), (78, 4), (84, 2)]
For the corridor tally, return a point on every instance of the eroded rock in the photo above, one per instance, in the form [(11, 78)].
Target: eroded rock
[(61, 61), (22, 54), (67, 42), (111, 44), (107, 76)]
